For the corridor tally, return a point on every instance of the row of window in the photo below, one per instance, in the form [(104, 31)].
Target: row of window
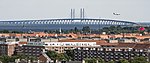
[(77, 44), (109, 49)]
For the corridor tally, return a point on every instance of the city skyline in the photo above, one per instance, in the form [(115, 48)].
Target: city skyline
[(135, 11)]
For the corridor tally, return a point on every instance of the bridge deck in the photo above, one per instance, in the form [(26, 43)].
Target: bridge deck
[(68, 21)]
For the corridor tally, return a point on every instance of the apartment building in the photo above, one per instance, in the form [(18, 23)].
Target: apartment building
[(60, 47), (112, 53), (31, 49), (7, 48)]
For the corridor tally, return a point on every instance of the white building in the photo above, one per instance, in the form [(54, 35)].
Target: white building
[(60, 47), (70, 44)]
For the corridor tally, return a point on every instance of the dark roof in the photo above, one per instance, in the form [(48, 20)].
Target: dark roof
[(134, 45), (126, 45), (142, 46)]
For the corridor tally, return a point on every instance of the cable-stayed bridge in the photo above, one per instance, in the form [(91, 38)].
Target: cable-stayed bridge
[(69, 21), (63, 22)]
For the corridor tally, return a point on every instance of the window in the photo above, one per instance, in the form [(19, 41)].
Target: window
[(141, 50), (101, 49), (109, 49), (29, 50), (119, 49), (29, 47), (79, 48), (143, 54), (67, 44), (93, 48), (87, 48)]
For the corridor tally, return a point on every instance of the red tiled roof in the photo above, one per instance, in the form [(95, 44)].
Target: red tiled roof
[(22, 42)]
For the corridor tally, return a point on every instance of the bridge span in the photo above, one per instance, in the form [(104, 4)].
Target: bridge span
[(68, 21), (47, 24)]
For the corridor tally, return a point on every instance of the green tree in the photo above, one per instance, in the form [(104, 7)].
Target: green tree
[(67, 57), (61, 57), (24, 57), (100, 60), (71, 30), (86, 29), (5, 31), (140, 59), (32, 58), (76, 30), (70, 54), (148, 30), (111, 61), (90, 60), (119, 27), (21, 56), (52, 54), (6, 59), (112, 27), (15, 32), (45, 31), (94, 60), (57, 56), (123, 61), (66, 31)]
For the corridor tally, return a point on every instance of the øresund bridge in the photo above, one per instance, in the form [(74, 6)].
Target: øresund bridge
[(69, 21), (75, 22)]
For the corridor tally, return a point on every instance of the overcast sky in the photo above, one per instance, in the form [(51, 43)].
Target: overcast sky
[(133, 10)]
